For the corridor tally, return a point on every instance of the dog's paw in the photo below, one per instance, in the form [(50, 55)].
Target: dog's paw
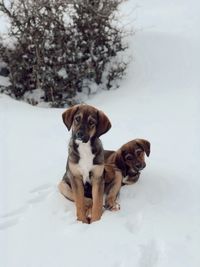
[(83, 219), (89, 214), (112, 206), (116, 207)]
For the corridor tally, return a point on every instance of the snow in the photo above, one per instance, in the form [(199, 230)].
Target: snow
[(35, 96), (62, 72), (159, 99), (4, 81)]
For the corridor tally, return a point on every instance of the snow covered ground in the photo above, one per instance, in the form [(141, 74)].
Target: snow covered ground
[(159, 220)]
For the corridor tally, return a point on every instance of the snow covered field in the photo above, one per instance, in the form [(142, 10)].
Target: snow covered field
[(159, 99)]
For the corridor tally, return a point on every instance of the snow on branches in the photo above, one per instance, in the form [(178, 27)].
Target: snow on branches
[(62, 47)]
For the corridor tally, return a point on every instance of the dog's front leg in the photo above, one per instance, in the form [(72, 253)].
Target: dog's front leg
[(97, 192), (113, 193), (78, 191)]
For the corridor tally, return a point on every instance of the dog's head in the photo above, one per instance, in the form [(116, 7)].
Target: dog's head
[(86, 122), (131, 157)]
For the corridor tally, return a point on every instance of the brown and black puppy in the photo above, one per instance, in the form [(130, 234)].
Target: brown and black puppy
[(123, 167), (85, 164)]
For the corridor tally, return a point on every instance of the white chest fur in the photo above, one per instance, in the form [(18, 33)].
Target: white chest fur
[(86, 160)]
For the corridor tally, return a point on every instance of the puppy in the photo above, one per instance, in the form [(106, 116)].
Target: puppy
[(123, 167), (85, 164)]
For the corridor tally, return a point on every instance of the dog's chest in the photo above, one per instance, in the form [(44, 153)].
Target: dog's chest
[(86, 160)]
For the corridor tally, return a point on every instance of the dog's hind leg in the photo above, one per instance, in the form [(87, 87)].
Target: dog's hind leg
[(66, 190)]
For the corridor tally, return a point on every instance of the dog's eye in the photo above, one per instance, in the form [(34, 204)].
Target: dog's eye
[(77, 119), (91, 123), (138, 152), (129, 157)]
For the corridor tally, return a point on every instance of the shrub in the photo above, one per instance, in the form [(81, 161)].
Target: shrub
[(62, 47)]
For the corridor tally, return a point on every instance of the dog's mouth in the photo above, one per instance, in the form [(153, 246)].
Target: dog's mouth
[(133, 172), (82, 139), (131, 178)]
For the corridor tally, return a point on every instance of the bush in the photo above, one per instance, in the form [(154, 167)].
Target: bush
[(62, 58)]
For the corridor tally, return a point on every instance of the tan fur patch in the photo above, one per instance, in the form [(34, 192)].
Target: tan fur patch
[(66, 190), (74, 168), (97, 171)]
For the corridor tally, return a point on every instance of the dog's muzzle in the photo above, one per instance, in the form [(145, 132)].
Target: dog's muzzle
[(131, 178), (81, 137), (133, 173), (139, 166)]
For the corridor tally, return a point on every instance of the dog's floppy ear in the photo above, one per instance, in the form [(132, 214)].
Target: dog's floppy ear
[(68, 116), (103, 123), (145, 145)]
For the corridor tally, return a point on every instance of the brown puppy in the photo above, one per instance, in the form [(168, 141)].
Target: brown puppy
[(123, 167), (85, 164)]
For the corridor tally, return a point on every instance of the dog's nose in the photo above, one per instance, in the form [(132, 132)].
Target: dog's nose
[(139, 166), (79, 134)]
